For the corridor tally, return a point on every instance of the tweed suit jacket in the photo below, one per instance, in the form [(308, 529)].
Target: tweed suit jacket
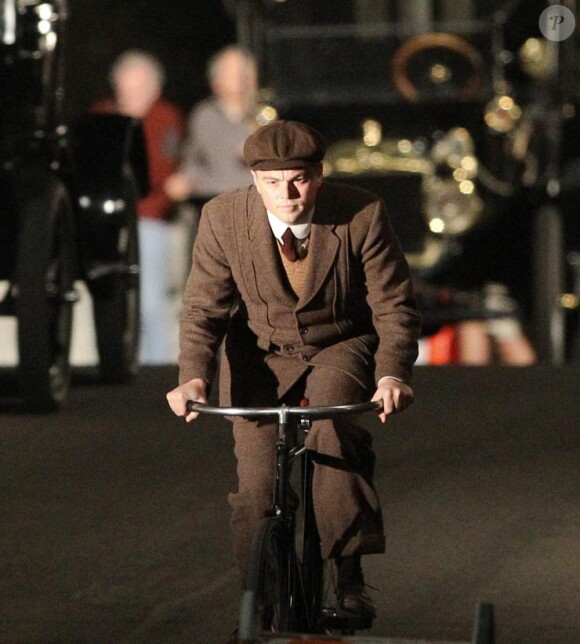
[(356, 314)]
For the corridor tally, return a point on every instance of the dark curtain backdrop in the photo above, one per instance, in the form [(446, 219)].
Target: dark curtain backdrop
[(181, 33)]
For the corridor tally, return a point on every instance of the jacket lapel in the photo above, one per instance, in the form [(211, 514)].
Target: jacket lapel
[(264, 251), (322, 249)]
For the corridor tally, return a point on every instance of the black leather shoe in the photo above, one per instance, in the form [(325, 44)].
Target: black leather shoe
[(353, 598), (351, 595)]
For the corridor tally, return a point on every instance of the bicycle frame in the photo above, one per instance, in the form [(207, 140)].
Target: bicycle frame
[(307, 566)]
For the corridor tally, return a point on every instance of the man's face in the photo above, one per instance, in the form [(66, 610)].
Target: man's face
[(236, 79), (289, 194), (136, 89)]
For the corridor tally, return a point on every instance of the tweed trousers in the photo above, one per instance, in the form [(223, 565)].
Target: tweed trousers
[(347, 509)]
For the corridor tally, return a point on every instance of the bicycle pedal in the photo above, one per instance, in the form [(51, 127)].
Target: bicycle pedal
[(338, 620)]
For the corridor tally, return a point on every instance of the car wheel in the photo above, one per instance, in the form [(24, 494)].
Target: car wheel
[(44, 293), (116, 306)]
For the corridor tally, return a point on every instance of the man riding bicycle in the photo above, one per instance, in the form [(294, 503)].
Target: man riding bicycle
[(307, 283)]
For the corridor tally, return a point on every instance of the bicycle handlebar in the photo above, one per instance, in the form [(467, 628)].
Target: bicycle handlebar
[(282, 411)]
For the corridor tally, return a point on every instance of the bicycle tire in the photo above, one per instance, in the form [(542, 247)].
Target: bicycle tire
[(271, 591), (318, 611), (312, 567)]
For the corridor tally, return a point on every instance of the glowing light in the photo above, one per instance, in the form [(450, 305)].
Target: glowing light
[(569, 301), (267, 114), (440, 73), (44, 27), (109, 206), (405, 146), (372, 132), (533, 49), (469, 164), (44, 11), (50, 41), (466, 187), (437, 225), (506, 103), (9, 24)]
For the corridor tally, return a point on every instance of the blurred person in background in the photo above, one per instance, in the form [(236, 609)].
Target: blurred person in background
[(475, 327), (212, 160), (137, 79)]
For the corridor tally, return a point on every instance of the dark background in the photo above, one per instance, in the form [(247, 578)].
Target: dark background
[(183, 34)]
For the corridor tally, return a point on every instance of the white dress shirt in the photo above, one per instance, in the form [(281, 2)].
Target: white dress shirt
[(300, 231)]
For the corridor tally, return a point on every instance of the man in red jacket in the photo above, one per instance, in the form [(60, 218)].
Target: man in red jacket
[(137, 79)]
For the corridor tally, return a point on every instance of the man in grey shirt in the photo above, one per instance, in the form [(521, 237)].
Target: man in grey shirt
[(212, 160)]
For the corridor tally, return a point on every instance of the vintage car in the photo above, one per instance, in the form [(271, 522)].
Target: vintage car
[(68, 193), (462, 115)]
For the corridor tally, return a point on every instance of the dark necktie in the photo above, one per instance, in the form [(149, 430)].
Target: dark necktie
[(288, 247)]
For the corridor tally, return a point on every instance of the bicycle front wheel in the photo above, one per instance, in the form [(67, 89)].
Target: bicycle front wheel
[(269, 601)]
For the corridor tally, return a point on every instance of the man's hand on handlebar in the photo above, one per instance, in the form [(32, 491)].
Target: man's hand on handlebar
[(395, 396), (195, 389)]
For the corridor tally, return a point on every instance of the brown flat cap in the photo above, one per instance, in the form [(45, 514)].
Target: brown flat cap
[(284, 145)]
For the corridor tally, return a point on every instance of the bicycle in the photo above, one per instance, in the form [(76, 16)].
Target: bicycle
[(289, 587)]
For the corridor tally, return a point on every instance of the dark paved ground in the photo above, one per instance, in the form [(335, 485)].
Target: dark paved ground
[(114, 523)]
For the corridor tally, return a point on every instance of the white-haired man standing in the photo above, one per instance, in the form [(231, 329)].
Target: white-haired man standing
[(218, 126), (137, 79)]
